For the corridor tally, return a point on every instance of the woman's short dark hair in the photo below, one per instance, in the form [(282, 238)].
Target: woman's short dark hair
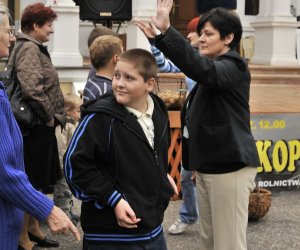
[(225, 21), (36, 13)]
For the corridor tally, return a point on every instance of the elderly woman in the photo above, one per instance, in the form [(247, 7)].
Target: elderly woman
[(16, 192), (41, 90), (215, 122)]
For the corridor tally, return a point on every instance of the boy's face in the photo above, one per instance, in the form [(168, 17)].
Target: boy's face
[(129, 86)]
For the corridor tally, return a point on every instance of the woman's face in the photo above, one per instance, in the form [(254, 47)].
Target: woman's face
[(211, 44), (6, 37), (42, 33), (193, 37)]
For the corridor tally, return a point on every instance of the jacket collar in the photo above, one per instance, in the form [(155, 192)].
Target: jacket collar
[(107, 104), (23, 36)]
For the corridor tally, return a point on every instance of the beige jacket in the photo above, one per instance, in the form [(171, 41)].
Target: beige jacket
[(63, 137), (38, 78)]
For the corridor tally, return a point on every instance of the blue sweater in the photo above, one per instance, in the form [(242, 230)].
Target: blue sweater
[(16, 192)]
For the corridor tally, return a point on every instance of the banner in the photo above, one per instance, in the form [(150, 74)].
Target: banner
[(278, 143)]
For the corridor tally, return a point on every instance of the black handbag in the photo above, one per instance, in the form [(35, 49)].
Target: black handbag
[(22, 111)]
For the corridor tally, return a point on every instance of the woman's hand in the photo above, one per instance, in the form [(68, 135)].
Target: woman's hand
[(147, 28), (162, 18), (161, 21), (58, 222)]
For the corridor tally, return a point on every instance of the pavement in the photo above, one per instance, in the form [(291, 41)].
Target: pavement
[(278, 230)]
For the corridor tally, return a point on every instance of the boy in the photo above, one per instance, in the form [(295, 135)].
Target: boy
[(117, 160), (104, 53), (62, 196), (97, 32)]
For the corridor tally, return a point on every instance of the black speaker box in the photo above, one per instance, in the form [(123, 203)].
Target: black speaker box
[(105, 10)]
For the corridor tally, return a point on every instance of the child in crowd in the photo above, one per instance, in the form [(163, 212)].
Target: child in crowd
[(104, 52), (98, 31), (117, 161), (62, 195)]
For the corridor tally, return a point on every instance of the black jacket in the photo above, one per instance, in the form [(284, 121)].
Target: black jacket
[(218, 115), (110, 158)]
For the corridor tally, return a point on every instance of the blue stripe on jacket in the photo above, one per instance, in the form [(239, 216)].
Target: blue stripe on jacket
[(124, 237), (78, 192), (67, 164)]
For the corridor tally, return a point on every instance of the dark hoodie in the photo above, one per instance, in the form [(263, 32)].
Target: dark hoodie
[(110, 158)]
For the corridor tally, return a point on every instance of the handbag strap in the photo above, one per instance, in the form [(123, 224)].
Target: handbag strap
[(13, 68)]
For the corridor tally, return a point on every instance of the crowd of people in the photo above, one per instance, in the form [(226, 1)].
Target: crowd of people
[(110, 148)]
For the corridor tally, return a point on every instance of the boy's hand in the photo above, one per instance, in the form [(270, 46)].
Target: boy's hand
[(173, 184), (125, 215)]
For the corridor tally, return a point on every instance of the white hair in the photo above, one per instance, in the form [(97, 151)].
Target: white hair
[(3, 11)]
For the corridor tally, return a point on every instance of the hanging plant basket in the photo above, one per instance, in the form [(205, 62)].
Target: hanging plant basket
[(172, 89), (259, 203)]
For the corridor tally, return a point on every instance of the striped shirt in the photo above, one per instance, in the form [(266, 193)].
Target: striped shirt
[(95, 87), (163, 64)]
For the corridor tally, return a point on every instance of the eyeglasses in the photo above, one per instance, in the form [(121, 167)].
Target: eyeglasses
[(10, 30)]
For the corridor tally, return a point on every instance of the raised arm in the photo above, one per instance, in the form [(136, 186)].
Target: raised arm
[(161, 21), (163, 64)]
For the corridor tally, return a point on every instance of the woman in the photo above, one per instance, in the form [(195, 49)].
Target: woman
[(216, 121), (40, 87), (16, 192)]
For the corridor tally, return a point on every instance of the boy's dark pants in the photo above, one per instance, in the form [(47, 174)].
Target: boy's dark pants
[(158, 244)]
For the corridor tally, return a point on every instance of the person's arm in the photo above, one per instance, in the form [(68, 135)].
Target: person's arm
[(219, 73), (83, 159), (163, 64), (15, 186), (223, 72)]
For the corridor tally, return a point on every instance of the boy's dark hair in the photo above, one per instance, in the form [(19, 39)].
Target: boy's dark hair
[(99, 31), (143, 61), (225, 21), (103, 49)]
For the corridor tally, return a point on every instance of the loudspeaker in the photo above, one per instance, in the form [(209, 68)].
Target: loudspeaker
[(104, 10)]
